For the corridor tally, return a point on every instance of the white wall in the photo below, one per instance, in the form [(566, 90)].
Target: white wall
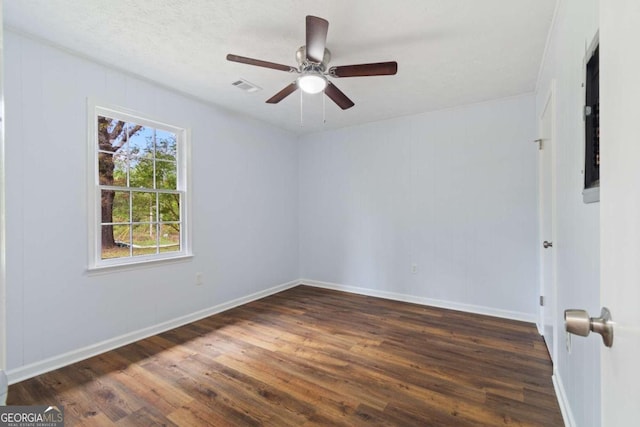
[(244, 209), (577, 239), (454, 192)]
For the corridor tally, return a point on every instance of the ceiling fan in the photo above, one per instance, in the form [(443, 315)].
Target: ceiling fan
[(313, 59)]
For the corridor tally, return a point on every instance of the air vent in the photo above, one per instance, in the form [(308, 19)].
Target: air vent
[(246, 86)]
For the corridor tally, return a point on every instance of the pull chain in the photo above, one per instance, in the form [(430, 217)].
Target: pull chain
[(301, 121), (324, 117)]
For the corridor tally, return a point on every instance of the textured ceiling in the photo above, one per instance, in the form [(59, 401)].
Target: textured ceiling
[(449, 52)]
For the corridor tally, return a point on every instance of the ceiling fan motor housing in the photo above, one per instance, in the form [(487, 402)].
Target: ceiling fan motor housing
[(301, 57)]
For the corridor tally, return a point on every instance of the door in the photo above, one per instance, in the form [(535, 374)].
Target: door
[(620, 208), (547, 203)]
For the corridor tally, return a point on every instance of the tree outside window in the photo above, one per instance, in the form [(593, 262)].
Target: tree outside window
[(140, 194)]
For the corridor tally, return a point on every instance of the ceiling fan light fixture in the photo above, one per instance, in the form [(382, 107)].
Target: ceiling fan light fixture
[(312, 83)]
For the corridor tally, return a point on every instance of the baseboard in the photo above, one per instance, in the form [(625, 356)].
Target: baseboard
[(41, 367), (469, 308), (565, 408)]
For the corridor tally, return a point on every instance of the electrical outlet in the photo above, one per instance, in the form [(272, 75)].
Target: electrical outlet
[(414, 268), (199, 279)]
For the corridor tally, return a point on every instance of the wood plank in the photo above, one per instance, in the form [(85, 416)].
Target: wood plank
[(145, 417), (314, 357)]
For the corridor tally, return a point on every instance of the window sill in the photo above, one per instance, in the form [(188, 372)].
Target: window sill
[(136, 265)]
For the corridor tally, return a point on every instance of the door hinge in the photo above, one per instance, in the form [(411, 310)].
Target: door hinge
[(587, 111), (541, 300)]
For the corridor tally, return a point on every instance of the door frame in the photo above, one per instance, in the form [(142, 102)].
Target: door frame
[(3, 283), (549, 102)]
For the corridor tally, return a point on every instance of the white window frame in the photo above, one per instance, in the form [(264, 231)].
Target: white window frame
[(183, 178)]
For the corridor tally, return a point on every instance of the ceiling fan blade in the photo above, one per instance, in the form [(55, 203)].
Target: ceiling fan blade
[(361, 70), (283, 93), (259, 63), (337, 96), (316, 38)]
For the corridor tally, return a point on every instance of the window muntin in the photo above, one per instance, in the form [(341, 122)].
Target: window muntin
[(140, 189)]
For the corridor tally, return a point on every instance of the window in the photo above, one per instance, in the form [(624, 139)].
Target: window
[(139, 189)]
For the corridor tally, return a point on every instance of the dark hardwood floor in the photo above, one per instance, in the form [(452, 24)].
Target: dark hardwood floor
[(311, 356)]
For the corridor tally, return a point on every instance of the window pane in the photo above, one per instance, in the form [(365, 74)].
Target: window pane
[(169, 207), (165, 145), (122, 235), (140, 141), (111, 134), (115, 206), (104, 128), (115, 241), (112, 169), (166, 173), (144, 239), (169, 237), (144, 207), (120, 171), (141, 173)]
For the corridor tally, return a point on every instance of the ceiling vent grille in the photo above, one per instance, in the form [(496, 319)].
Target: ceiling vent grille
[(246, 86)]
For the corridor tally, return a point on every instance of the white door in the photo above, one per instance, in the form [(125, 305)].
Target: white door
[(620, 208), (547, 201)]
